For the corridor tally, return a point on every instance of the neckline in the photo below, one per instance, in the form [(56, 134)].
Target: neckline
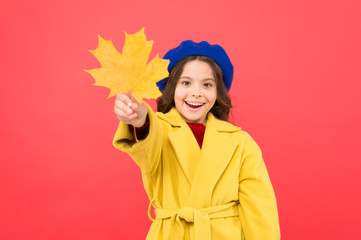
[(196, 124)]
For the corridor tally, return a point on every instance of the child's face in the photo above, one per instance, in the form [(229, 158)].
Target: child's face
[(196, 92)]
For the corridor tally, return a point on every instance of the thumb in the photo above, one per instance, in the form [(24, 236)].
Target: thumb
[(132, 98)]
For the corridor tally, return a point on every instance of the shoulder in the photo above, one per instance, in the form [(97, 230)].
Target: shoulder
[(221, 125), (171, 118), (237, 133)]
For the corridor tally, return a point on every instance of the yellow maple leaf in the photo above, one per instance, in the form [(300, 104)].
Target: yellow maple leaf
[(129, 71)]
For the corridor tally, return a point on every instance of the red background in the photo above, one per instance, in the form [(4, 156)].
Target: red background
[(296, 90)]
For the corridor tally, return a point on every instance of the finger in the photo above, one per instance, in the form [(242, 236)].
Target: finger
[(132, 116), (135, 106), (125, 97), (132, 98), (122, 106), (121, 115)]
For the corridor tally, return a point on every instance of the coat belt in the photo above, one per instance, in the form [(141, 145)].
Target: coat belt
[(200, 217)]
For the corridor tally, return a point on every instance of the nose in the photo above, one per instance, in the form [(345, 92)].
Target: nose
[(196, 91), (197, 95)]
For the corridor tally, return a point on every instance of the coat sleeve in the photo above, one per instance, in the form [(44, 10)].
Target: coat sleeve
[(147, 152), (258, 207)]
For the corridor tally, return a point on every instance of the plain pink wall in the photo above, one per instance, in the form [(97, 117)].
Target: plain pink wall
[(296, 91)]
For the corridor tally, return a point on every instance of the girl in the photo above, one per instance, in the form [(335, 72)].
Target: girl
[(205, 177)]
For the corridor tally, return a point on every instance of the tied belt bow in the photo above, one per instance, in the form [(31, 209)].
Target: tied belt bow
[(200, 217)]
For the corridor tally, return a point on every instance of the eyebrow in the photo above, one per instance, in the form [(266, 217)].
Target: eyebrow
[(205, 79)]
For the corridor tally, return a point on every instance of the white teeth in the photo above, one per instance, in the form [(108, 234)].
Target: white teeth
[(195, 104)]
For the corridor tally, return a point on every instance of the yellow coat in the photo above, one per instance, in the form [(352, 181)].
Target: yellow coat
[(219, 192)]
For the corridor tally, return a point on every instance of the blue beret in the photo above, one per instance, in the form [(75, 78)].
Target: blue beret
[(190, 48)]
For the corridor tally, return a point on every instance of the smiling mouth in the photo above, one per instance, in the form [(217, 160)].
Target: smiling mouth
[(194, 105)]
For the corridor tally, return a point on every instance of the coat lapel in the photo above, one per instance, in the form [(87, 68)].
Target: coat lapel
[(216, 153), (202, 168), (184, 144)]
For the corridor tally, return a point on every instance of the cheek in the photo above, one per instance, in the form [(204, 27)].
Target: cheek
[(178, 96), (212, 96), (179, 93)]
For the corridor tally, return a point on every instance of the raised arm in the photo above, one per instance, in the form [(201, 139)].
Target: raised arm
[(147, 152)]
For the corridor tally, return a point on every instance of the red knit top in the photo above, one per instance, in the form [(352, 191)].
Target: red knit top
[(198, 130)]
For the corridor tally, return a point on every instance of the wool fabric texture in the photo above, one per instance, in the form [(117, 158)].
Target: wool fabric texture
[(220, 191)]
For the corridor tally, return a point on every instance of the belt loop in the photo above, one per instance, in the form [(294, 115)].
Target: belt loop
[(149, 208)]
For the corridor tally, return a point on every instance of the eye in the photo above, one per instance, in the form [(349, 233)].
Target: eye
[(185, 82), (208, 85)]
